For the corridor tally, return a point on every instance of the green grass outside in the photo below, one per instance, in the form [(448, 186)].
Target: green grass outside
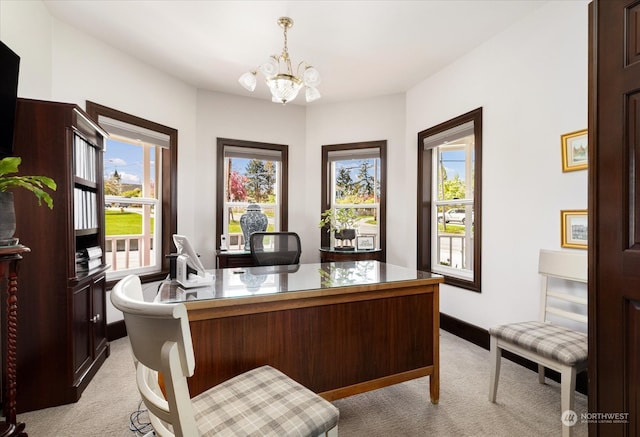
[(451, 229), (123, 223), (128, 223)]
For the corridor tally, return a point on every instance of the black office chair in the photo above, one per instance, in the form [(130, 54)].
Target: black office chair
[(275, 248)]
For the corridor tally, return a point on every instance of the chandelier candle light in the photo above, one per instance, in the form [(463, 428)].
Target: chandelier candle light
[(284, 85)]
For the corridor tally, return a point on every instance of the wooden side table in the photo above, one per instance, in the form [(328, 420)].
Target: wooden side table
[(9, 259), (327, 255)]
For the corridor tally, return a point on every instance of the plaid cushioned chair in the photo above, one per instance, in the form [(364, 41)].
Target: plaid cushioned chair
[(261, 402), (549, 344)]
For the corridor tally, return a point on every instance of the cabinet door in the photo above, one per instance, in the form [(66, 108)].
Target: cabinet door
[(82, 351), (98, 316)]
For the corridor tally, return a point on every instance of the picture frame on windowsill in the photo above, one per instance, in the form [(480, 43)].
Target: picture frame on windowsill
[(365, 242)]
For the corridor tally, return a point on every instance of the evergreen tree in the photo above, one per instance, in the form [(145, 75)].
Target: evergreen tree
[(270, 168), (344, 183), (260, 180), (365, 180)]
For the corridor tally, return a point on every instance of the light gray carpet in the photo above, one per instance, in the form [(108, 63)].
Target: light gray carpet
[(524, 408)]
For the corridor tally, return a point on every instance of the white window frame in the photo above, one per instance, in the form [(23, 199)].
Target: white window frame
[(355, 154), (156, 261), (278, 154), (464, 272)]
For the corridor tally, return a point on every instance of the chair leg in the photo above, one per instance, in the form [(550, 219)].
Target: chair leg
[(567, 394), (333, 432), (495, 354), (540, 373)]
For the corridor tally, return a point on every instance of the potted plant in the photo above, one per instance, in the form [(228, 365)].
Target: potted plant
[(342, 222), (35, 184)]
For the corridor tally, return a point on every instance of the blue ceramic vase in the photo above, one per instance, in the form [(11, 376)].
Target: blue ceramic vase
[(254, 220)]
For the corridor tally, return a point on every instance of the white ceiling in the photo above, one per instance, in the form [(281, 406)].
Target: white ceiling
[(361, 48)]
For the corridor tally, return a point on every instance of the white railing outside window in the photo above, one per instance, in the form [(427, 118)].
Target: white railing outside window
[(133, 252), (453, 209)]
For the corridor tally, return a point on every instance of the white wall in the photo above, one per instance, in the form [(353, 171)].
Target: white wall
[(374, 119), (244, 118), (531, 81), (26, 28)]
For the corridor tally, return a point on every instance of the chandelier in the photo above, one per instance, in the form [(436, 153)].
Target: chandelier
[(278, 74)]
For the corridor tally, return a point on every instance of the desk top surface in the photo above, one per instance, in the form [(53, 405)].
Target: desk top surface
[(234, 283), (346, 252)]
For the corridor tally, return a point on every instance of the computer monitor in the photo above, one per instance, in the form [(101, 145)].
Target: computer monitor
[(184, 248)]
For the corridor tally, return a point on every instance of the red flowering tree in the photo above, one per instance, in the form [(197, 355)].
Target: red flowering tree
[(237, 190)]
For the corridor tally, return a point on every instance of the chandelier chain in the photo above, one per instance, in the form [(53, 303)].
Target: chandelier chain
[(285, 52)]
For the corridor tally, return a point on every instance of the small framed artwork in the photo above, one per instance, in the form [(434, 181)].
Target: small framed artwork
[(365, 242), (575, 147), (574, 228)]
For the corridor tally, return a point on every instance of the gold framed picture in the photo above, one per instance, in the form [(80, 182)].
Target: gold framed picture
[(574, 231), (575, 148)]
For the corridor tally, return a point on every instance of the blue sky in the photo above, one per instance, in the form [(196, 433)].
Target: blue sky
[(239, 165), (354, 165), (125, 158), (454, 163)]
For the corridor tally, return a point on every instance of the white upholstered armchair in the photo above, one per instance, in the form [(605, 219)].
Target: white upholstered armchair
[(261, 402)]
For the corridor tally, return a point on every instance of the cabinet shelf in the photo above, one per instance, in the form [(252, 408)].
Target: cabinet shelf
[(69, 306), (83, 276)]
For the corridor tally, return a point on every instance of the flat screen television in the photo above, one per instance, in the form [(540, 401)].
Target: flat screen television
[(9, 67)]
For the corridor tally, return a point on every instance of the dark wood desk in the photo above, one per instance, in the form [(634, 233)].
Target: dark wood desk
[(9, 258), (328, 255), (337, 328), (233, 258)]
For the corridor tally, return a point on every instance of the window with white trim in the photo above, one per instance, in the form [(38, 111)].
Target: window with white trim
[(140, 191), (449, 200), (354, 178), (250, 172), (131, 202)]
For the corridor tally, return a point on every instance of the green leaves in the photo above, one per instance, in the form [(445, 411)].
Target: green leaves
[(9, 165), (35, 184), (338, 219)]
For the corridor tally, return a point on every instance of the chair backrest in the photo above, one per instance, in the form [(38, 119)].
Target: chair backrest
[(562, 299), (161, 342), (275, 248)]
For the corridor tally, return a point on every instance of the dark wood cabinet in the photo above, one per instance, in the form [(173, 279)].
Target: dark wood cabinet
[(61, 318), (233, 258)]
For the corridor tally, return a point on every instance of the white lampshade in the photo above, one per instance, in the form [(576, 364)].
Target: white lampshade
[(311, 77), (248, 81), (312, 94), (269, 68)]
